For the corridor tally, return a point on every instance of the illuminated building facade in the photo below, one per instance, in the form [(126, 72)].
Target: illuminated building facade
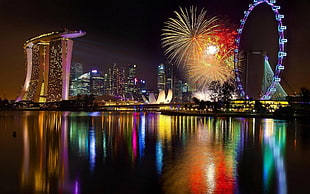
[(88, 83), (118, 81), (107, 82), (161, 77), (84, 84), (131, 89), (131, 79), (169, 75), (96, 83), (142, 87), (115, 81), (75, 73), (177, 91), (48, 61)]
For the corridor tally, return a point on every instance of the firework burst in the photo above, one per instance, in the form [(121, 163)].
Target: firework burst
[(204, 72), (203, 46), (186, 35), (215, 61)]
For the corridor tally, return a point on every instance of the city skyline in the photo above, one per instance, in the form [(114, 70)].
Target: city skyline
[(122, 83), (129, 33)]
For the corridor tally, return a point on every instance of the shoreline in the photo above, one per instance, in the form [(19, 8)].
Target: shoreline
[(185, 113), (236, 114)]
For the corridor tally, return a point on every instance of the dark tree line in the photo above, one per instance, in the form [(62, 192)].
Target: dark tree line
[(82, 102), (305, 94), (221, 94)]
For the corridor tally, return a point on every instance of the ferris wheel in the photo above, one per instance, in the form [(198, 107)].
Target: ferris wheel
[(275, 81)]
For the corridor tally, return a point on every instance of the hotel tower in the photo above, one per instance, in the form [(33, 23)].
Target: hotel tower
[(48, 61)]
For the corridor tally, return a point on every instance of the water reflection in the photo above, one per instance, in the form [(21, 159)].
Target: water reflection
[(209, 162), (274, 141), (142, 153), (45, 153)]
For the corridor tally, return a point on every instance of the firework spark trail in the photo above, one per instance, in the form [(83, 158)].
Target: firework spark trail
[(204, 47)]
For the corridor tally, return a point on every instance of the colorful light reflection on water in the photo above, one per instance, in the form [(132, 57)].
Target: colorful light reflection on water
[(67, 152), (274, 141)]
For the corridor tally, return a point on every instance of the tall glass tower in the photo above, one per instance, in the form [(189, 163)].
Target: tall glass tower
[(76, 72), (161, 77), (131, 80), (96, 83)]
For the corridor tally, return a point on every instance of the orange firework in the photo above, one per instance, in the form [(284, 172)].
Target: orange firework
[(214, 62)]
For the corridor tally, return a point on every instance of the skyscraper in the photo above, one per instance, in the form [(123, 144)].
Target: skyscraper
[(83, 87), (161, 77), (177, 90), (142, 87), (169, 75), (48, 59), (131, 89), (76, 70), (75, 73), (107, 82), (96, 83), (115, 81), (121, 82)]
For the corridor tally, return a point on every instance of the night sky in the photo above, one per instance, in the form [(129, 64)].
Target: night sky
[(128, 32)]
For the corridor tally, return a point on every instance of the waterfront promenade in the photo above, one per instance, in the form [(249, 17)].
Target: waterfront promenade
[(248, 109)]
